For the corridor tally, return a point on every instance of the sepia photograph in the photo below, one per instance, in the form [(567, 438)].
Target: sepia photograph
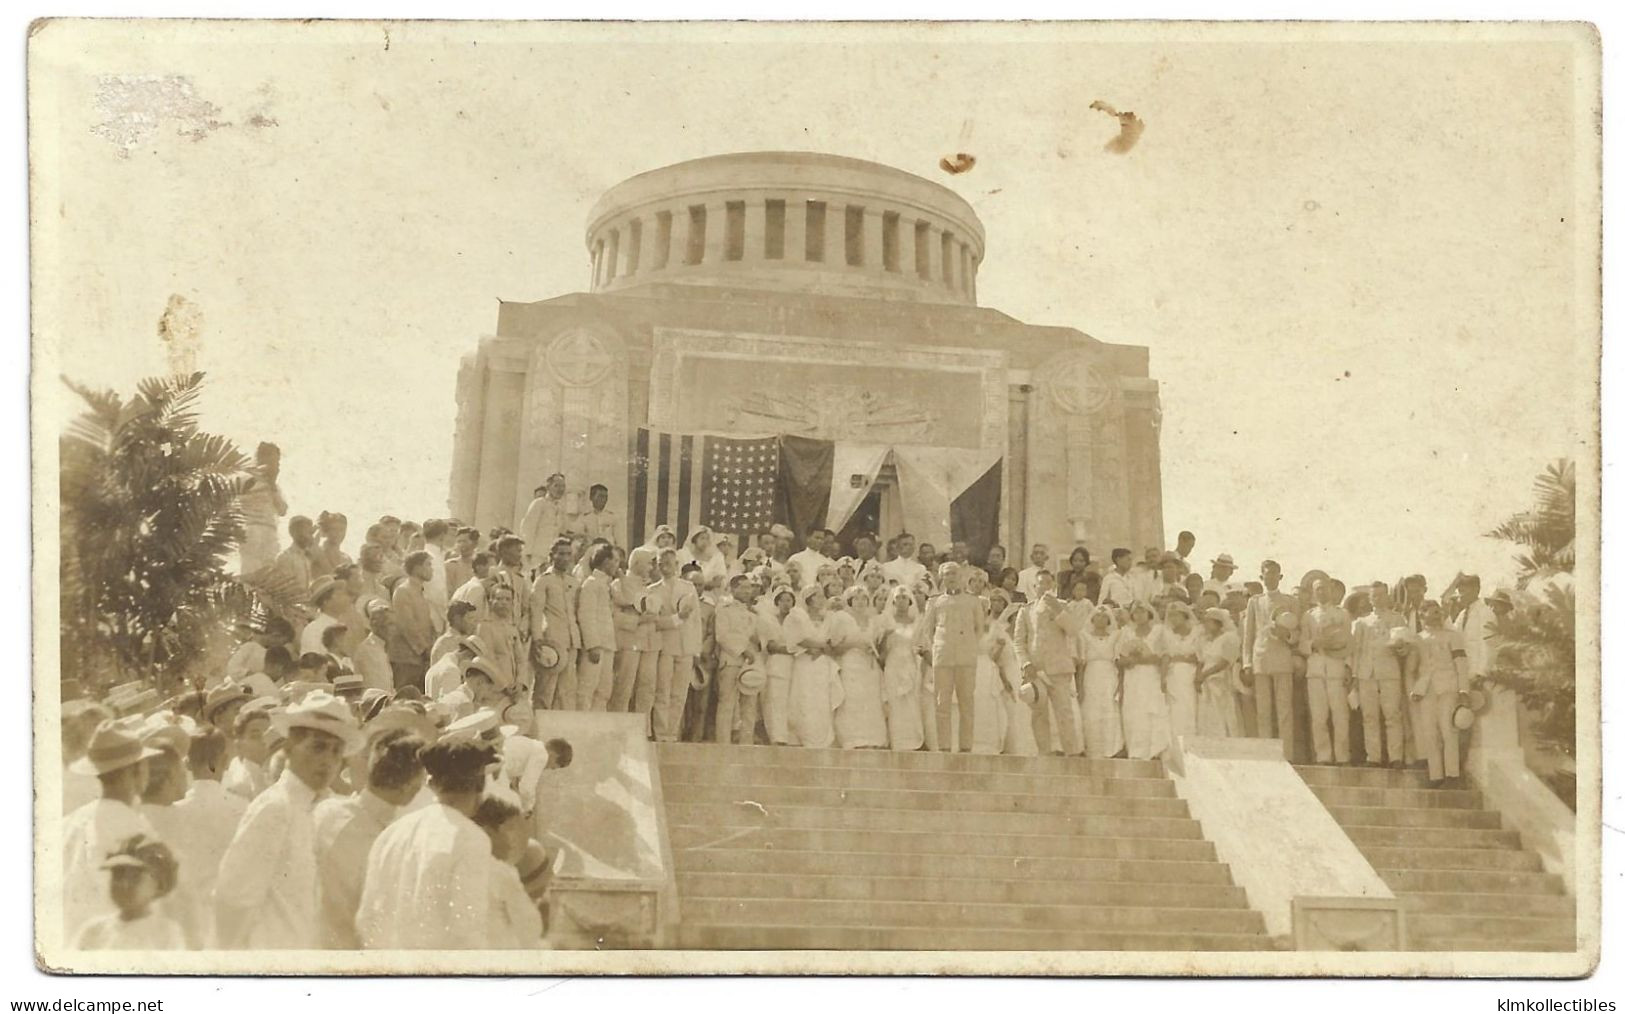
[(527, 498)]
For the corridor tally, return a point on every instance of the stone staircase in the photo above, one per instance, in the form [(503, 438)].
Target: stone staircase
[(1465, 882), (779, 848)]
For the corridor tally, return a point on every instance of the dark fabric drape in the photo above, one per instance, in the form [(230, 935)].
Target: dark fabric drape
[(974, 514), (806, 469)]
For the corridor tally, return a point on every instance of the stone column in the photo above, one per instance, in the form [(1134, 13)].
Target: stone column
[(795, 228), (874, 235), (933, 254), (964, 269), (649, 257), (755, 229), (835, 235), (716, 232), (906, 254), (682, 229)]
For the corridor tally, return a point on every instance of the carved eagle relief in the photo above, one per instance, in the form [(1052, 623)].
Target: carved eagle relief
[(831, 411)]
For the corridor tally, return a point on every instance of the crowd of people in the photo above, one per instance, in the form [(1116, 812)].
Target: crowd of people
[(361, 773)]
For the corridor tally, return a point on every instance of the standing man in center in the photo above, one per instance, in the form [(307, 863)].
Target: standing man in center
[(1325, 637), (1045, 633), (1266, 658), (595, 617), (413, 630), (553, 624), (950, 636)]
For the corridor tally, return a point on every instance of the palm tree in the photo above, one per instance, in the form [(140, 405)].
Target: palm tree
[(1547, 532), (150, 518), (1536, 644)]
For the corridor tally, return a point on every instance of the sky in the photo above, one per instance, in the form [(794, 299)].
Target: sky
[(1364, 264)]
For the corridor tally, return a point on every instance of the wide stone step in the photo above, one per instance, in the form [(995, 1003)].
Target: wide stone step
[(964, 803), (842, 912), (754, 861), (1442, 799), (950, 886), (1511, 929), (951, 938), (917, 760), (1464, 903), (969, 821), (1320, 774), (1396, 816), (672, 773), (1470, 881), (836, 840), (1430, 838), (1392, 856), (1471, 945)]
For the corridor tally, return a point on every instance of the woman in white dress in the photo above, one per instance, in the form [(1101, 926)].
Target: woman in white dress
[(1014, 695), (1145, 708), (1181, 644), (860, 722), (1100, 685), (814, 684), (990, 692), (1216, 713), (776, 646), (700, 550), (900, 677)]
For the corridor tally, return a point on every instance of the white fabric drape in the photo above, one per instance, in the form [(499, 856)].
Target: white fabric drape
[(929, 479), (844, 498)]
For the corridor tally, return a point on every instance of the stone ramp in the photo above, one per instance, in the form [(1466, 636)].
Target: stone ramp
[(1465, 882), (781, 848)]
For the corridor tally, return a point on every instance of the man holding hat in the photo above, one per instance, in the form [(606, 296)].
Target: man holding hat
[(553, 625), (735, 624), (1266, 657), (118, 758), (595, 617), (267, 894)]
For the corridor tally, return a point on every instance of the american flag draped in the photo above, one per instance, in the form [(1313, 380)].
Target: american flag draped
[(686, 480)]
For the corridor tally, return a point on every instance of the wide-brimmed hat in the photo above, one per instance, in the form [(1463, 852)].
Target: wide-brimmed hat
[(403, 717), (321, 711), (223, 696), (1463, 717), (751, 680), (483, 725), (781, 532), (1502, 597), (162, 733), (547, 656), (116, 743), (1224, 560), (347, 684), (321, 588)]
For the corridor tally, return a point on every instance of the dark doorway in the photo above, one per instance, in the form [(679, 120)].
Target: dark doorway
[(865, 519)]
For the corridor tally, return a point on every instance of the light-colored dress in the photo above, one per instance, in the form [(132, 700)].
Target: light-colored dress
[(861, 719), (1145, 708), (776, 695), (815, 684), (900, 688), (1216, 713), (1019, 740), (991, 719), (1102, 717), (1181, 680)]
